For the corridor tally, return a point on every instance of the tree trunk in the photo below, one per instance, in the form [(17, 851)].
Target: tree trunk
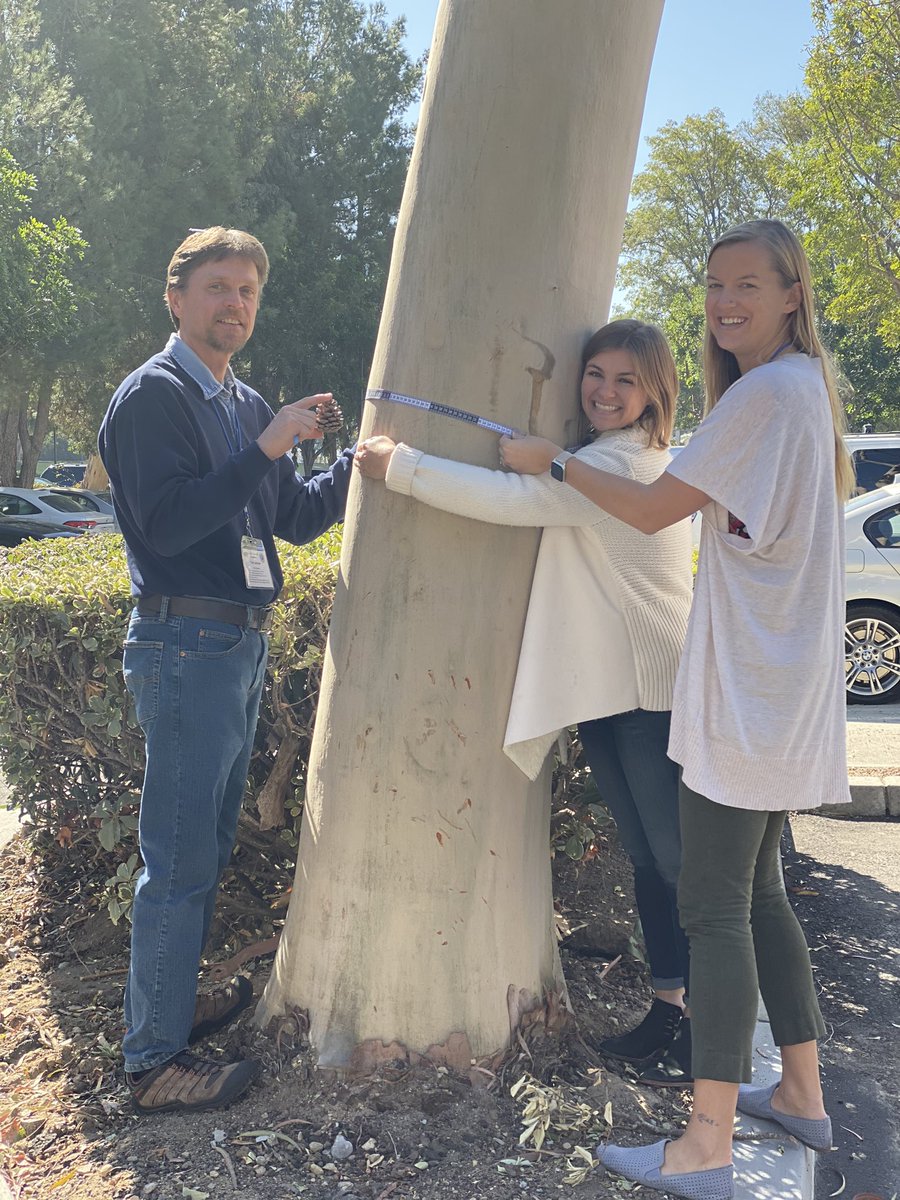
[(9, 436), (422, 919), (32, 440), (13, 391)]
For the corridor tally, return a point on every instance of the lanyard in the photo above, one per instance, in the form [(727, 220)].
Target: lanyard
[(233, 422), (235, 425), (781, 349)]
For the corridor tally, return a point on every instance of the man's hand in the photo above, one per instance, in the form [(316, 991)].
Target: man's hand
[(528, 455), (292, 424), (373, 456)]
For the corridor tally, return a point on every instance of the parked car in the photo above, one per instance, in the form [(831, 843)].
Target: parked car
[(71, 509), (872, 631), (14, 530), (101, 500), (64, 474), (876, 459)]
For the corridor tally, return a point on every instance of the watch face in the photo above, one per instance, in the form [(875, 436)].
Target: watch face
[(558, 470)]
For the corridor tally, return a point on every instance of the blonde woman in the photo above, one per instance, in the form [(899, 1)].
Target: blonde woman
[(600, 651), (758, 720)]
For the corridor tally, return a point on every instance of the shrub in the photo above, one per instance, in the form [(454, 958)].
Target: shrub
[(70, 747), (73, 753)]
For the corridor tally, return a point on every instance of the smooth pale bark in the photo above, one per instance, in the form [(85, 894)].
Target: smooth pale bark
[(95, 476), (422, 921)]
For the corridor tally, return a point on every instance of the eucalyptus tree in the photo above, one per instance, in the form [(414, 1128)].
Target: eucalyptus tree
[(421, 923)]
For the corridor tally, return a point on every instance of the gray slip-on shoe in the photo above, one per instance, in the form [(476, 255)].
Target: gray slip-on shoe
[(643, 1164), (757, 1102)]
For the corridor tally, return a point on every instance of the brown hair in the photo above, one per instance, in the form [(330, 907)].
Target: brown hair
[(211, 245), (720, 368), (654, 371)]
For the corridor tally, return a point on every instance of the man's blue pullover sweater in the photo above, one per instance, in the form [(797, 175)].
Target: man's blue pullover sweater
[(181, 480)]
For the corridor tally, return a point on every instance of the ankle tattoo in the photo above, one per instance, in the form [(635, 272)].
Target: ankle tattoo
[(705, 1120)]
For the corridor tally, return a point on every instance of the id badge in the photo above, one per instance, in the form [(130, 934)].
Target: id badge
[(256, 566)]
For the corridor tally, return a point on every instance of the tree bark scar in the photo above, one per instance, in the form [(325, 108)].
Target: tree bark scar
[(539, 375)]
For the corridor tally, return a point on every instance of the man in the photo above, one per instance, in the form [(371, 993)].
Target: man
[(201, 481)]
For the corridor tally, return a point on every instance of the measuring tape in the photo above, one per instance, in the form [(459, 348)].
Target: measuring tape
[(444, 410)]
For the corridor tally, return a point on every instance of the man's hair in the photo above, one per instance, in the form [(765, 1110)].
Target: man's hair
[(655, 372), (212, 245)]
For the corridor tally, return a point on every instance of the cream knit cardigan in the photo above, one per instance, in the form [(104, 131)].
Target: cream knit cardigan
[(608, 610)]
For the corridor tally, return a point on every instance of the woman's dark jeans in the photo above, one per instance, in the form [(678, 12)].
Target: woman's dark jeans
[(638, 783)]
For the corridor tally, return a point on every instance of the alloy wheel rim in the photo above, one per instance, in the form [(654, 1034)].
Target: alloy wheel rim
[(871, 657)]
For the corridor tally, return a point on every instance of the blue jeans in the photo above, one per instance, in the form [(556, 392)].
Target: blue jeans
[(196, 686), (638, 783)]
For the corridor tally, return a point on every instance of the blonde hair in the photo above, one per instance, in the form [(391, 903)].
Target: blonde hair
[(654, 372), (720, 367)]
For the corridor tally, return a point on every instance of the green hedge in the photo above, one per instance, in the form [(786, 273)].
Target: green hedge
[(70, 747), (73, 753)]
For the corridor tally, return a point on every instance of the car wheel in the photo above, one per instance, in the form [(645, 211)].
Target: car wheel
[(872, 654)]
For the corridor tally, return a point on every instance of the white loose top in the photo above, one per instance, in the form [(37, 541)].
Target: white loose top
[(608, 609), (758, 718)]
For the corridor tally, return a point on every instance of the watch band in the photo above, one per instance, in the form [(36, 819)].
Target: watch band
[(558, 466)]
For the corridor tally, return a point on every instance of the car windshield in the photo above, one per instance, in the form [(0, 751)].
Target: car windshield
[(66, 502)]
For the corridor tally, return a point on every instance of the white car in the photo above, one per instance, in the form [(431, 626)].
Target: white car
[(65, 508), (101, 500), (872, 632)]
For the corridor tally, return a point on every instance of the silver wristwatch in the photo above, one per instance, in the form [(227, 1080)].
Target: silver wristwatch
[(558, 466)]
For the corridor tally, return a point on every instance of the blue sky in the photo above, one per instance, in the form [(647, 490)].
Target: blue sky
[(707, 55)]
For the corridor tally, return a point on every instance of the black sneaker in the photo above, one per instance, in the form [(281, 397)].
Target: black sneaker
[(189, 1084), (673, 1070), (649, 1039)]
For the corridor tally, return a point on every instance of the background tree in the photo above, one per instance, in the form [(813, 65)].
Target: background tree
[(42, 126), (143, 118), (700, 178), (38, 313), (847, 177), (335, 82)]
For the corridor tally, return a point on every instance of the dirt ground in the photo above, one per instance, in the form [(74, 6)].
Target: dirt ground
[(67, 1131)]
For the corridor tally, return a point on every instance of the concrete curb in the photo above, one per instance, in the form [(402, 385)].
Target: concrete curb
[(875, 795), (777, 1166)]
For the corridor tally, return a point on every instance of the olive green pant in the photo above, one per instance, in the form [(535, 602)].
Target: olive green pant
[(744, 937)]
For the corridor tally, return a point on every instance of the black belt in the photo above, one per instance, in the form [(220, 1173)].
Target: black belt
[(243, 615)]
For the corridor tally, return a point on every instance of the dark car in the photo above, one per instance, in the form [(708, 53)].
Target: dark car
[(64, 474), (14, 530)]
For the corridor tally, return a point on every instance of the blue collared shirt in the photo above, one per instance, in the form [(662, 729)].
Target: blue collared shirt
[(198, 370)]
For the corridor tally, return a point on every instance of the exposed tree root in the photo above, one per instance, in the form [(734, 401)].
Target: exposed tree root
[(534, 1020)]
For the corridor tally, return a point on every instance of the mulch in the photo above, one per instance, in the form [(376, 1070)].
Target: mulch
[(67, 1131)]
